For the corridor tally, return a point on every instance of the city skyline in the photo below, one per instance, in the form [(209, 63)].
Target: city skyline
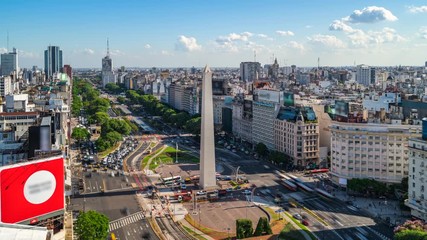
[(223, 34)]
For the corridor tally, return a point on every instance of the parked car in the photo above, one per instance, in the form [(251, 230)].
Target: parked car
[(297, 216)]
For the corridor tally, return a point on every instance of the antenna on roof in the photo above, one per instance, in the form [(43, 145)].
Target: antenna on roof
[(254, 55), (108, 48), (7, 46)]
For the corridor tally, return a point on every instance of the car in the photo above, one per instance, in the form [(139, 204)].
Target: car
[(201, 192), (297, 216), (305, 223)]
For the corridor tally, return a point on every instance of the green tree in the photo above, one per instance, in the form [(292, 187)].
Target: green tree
[(261, 149), (193, 125), (101, 117), (113, 137), (244, 228), (102, 144), (121, 100), (263, 227), (411, 235), (80, 134), (91, 225)]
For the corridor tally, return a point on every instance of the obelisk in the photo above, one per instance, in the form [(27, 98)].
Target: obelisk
[(207, 142)]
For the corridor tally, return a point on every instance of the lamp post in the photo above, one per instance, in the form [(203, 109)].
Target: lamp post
[(176, 152)]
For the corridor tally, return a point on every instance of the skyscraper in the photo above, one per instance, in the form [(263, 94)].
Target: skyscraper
[(107, 73), (207, 146), (363, 75), (52, 60), (250, 71), (9, 62)]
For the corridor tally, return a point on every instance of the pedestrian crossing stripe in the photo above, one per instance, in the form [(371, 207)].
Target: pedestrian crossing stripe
[(119, 223)]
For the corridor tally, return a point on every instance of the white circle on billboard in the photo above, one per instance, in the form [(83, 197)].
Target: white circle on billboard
[(39, 187)]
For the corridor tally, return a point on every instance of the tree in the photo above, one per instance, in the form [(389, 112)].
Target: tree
[(193, 125), (80, 134), (113, 137), (411, 235), (91, 225), (261, 149), (101, 117), (244, 228), (121, 99), (263, 227)]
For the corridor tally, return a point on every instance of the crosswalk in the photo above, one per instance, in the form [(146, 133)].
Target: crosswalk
[(119, 223)]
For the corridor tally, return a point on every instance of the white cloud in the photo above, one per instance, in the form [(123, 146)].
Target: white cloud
[(423, 32), (187, 44), (25, 54), (285, 33), (420, 9), (147, 46), (295, 45), (329, 41), (261, 35), (232, 42), (166, 53), (370, 14), (339, 25), (88, 51), (3, 50), (116, 52), (308, 26)]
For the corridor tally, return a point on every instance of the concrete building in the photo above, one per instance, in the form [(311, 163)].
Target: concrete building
[(249, 71), (375, 102), (19, 122), (296, 133), (218, 104), (107, 73), (266, 106), (376, 151), (417, 180), (207, 142), (9, 63), (242, 118), (6, 86), (363, 75), (17, 103), (52, 60), (68, 70)]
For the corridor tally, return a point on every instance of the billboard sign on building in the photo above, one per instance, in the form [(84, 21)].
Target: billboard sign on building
[(288, 99), (31, 189), (269, 96), (341, 108)]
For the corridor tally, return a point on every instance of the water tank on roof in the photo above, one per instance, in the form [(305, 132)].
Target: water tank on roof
[(424, 131)]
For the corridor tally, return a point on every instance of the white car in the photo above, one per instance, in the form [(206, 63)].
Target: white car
[(201, 193)]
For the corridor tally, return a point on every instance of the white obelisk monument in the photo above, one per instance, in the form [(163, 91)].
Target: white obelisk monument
[(207, 145)]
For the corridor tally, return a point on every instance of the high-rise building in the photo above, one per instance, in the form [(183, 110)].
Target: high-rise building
[(417, 182), (207, 142), (6, 86), (68, 70), (9, 63), (368, 150), (266, 105), (107, 73), (363, 75), (52, 60), (250, 71), (296, 133)]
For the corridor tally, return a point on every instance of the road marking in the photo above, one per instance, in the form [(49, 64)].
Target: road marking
[(342, 225)]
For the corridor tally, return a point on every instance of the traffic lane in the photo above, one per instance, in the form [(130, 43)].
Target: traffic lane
[(345, 223), (116, 181), (136, 231), (93, 182)]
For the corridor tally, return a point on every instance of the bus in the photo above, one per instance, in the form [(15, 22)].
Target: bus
[(314, 171), (172, 180), (289, 185), (324, 193)]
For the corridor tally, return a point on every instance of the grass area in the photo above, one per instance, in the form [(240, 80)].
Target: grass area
[(108, 151), (274, 216), (168, 157), (302, 226), (192, 233), (290, 233)]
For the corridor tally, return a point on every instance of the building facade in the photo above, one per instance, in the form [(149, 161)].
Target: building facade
[(52, 60), (6, 86), (363, 75), (249, 71), (242, 118), (296, 133), (9, 63), (376, 151)]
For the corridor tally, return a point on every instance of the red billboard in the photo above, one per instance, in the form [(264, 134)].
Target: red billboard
[(31, 189)]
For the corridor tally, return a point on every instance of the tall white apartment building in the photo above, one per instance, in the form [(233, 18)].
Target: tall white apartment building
[(296, 133), (6, 86), (363, 75), (376, 151), (266, 106), (417, 179)]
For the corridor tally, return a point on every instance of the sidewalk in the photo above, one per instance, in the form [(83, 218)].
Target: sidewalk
[(287, 219), (382, 208)]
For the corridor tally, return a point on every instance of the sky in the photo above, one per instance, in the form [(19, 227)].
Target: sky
[(220, 33)]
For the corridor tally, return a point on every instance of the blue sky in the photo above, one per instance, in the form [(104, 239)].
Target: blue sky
[(219, 33)]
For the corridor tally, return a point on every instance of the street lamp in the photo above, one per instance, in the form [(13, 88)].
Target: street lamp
[(176, 152)]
